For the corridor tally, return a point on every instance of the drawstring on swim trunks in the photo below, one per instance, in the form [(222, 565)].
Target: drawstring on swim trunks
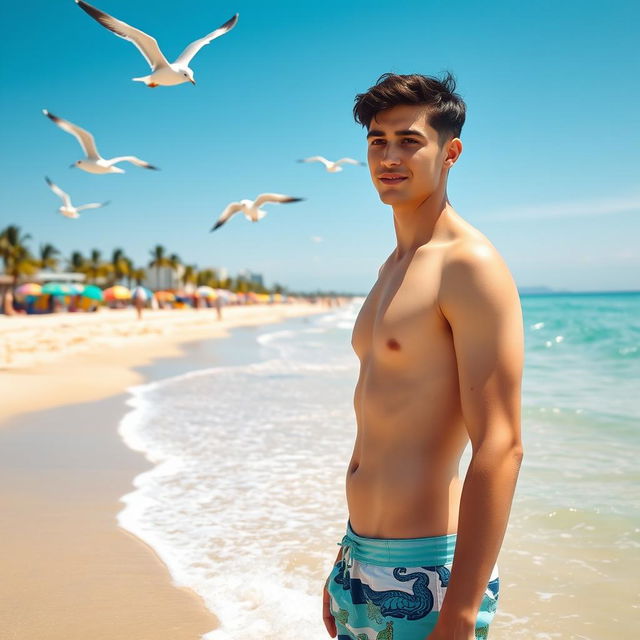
[(347, 551)]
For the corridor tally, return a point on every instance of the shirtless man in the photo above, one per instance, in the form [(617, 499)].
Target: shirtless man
[(440, 344)]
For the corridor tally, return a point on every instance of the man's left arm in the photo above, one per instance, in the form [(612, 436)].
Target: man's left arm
[(480, 301)]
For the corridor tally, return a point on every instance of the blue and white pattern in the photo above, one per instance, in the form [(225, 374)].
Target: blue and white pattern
[(371, 602)]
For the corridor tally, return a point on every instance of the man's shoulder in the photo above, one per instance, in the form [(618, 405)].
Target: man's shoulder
[(471, 252), (473, 269)]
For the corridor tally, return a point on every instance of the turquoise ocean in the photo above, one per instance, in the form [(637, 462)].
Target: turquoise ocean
[(245, 502)]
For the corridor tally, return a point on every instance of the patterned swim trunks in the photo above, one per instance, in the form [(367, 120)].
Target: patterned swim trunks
[(393, 589)]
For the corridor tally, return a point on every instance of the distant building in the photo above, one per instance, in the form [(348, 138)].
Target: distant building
[(57, 276), (163, 278), (256, 278), (253, 278), (223, 273)]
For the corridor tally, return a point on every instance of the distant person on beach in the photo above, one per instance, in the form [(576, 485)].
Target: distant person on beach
[(441, 349), (218, 306), (139, 300)]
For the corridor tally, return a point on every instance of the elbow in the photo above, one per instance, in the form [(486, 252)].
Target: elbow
[(517, 453), (510, 453)]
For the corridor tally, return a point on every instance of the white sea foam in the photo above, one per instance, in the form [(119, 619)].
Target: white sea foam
[(245, 502)]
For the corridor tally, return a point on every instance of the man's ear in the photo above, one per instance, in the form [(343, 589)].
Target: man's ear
[(454, 149)]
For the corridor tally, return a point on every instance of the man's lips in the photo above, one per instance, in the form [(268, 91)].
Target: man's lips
[(391, 178)]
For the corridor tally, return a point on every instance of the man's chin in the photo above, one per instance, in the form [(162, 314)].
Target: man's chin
[(391, 197)]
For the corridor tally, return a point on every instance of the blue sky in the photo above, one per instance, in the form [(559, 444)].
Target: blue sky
[(549, 170)]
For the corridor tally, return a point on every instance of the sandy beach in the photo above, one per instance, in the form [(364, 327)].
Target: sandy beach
[(56, 359), (70, 571)]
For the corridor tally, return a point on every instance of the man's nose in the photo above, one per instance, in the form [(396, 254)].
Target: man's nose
[(390, 157)]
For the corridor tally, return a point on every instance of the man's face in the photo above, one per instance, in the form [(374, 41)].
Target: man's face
[(405, 158)]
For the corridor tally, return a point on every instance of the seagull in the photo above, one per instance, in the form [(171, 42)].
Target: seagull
[(163, 73), (94, 162), (251, 208), (67, 209), (333, 167)]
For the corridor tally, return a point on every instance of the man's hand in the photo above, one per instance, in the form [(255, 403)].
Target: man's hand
[(328, 618), (462, 629)]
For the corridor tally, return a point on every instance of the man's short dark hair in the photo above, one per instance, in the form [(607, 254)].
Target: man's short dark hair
[(446, 109)]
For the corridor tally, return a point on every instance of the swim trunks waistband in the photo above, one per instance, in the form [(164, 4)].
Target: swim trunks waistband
[(398, 552)]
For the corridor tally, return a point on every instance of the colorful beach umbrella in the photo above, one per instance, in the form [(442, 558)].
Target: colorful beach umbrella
[(28, 289), (117, 292), (206, 292), (92, 292), (164, 296), (141, 293), (56, 289)]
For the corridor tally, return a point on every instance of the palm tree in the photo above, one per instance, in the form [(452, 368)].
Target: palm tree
[(15, 254), (120, 264), (204, 277), (175, 263), (190, 274), (130, 270), (96, 268), (159, 260), (241, 285), (138, 275), (48, 255), (76, 262)]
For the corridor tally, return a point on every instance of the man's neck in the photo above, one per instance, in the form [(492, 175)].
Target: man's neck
[(417, 224)]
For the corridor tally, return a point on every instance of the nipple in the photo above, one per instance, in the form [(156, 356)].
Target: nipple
[(393, 344)]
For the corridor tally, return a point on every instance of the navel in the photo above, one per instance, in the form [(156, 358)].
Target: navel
[(393, 344)]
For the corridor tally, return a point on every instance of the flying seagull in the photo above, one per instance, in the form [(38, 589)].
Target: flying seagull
[(94, 162), (67, 209), (251, 208), (163, 73), (333, 167)]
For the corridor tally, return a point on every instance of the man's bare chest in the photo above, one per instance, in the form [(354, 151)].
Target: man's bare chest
[(401, 317)]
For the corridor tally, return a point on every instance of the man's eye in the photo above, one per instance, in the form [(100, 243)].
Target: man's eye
[(377, 141), (410, 140)]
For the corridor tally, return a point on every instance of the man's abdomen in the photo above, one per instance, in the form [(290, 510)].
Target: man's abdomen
[(402, 497)]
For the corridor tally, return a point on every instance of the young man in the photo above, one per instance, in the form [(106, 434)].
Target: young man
[(440, 343)]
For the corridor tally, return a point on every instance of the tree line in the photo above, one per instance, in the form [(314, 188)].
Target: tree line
[(20, 262)]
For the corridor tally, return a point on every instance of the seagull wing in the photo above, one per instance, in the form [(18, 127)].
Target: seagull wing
[(59, 192), (186, 56), (93, 205), (322, 159), (349, 161), (132, 160), (85, 139), (147, 45), (273, 197), (232, 208)]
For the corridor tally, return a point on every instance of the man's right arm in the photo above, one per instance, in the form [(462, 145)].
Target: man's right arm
[(327, 616)]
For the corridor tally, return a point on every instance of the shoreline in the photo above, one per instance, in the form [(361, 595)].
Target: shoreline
[(81, 358), (72, 570)]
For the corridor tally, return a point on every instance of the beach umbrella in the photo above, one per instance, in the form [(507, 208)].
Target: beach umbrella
[(141, 293), (118, 292), (28, 289), (206, 292), (76, 289), (164, 296), (56, 289), (225, 294), (92, 292)]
